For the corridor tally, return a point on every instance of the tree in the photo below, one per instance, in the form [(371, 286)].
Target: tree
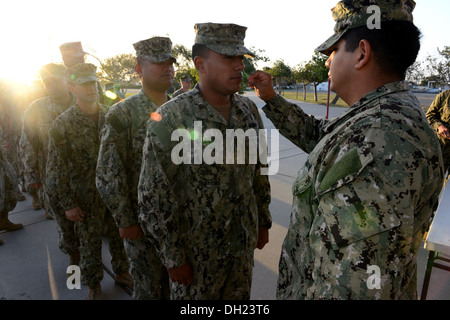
[(118, 71), (184, 66), (415, 73), (439, 67), (184, 63), (315, 71), (281, 72), (299, 76), (250, 65)]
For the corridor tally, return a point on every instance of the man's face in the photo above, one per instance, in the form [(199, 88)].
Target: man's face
[(86, 92), (223, 73), (341, 65), (56, 89), (186, 85), (157, 76)]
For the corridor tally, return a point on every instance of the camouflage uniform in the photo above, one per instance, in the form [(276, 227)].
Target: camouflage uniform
[(38, 118), (177, 93), (439, 114), (119, 164), (10, 126), (8, 184), (118, 169), (72, 159), (205, 214), (364, 198)]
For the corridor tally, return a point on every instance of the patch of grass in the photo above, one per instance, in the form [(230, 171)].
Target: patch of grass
[(129, 94), (321, 98)]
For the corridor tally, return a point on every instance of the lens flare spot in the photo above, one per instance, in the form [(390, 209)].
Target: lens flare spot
[(194, 134), (110, 95), (155, 116)]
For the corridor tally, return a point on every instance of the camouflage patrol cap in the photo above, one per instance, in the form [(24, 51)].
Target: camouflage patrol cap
[(226, 39), (81, 73), (156, 49), (186, 78), (350, 14), (52, 70), (71, 49)]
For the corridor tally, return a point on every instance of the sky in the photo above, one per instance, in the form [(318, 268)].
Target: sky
[(31, 31)]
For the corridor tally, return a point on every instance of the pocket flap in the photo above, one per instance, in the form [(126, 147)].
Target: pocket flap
[(357, 211), (345, 169)]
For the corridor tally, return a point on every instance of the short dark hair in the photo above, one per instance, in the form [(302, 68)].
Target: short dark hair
[(200, 50), (395, 46)]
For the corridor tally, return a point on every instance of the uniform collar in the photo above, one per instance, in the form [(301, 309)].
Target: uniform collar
[(85, 119), (203, 110), (382, 91), (58, 108), (144, 100)]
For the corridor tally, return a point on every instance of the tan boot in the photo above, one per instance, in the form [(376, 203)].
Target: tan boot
[(36, 202), (124, 280), (20, 196), (95, 293), (47, 215), (9, 226)]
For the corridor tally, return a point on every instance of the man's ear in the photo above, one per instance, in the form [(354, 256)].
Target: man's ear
[(71, 87), (199, 63), (138, 69), (364, 54)]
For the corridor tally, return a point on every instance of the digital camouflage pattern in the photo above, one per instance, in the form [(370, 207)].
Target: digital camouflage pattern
[(355, 13), (52, 70), (8, 184), (177, 93), (156, 49), (364, 197), (71, 170), (11, 113), (37, 121), (226, 39), (82, 73), (118, 168), (72, 49), (439, 114), (207, 215)]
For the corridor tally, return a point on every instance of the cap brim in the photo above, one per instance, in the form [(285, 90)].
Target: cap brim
[(227, 50), (160, 58), (326, 47), (81, 80)]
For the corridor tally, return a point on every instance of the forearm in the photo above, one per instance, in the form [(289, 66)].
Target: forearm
[(29, 158), (113, 187), (301, 129), (58, 180)]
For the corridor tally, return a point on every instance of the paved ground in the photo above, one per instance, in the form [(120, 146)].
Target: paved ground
[(33, 268)]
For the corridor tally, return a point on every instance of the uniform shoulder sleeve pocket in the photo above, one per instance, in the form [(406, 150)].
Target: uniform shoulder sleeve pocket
[(352, 203), (160, 133), (345, 169), (116, 124)]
